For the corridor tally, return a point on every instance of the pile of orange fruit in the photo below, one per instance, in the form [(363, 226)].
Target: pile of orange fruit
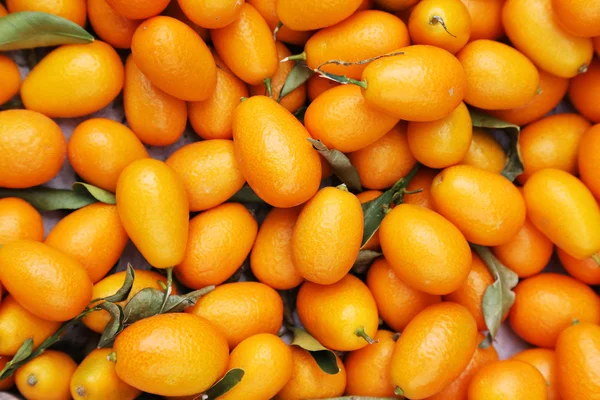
[(373, 188)]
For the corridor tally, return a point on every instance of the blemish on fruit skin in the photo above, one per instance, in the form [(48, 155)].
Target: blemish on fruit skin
[(451, 91)]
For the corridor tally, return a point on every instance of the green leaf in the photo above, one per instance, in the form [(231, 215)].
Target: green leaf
[(514, 163), (498, 297), (364, 260), (296, 78), (340, 164), (124, 291), (374, 211), (246, 195), (324, 357), (225, 384), (101, 195), (178, 303), (114, 326), (146, 303), (300, 114), (24, 351), (29, 29), (47, 199)]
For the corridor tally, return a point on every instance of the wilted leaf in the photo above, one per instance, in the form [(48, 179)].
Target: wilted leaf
[(124, 291), (47, 199), (324, 357), (101, 195), (296, 78), (178, 303), (364, 260), (225, 384), (114, 326), (340, 164), (514, 164), (498, 297), (146, 303), (29, 29), (246, 195)]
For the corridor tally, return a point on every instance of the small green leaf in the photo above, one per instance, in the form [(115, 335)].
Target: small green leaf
[(101, 195), (514, 163), (246, 195), (29, 29), (24, 351), (225, 384), (114, 326), (374, 211), (178, 303), (124, 291), (340, 164), (296, 78), (324, 357), (364, 260), (146, 303), (498, 297), (300, 114), (47, 199)]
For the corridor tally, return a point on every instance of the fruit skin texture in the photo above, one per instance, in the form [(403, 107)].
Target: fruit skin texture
[(95, 379), (271, 260), (181, 354), (92, 235), (458, 389), (268, 10), (486, 207), (292, 101), (154, 210), (213, 117), (551, 91), (532, 28), (110, 26), (564, 210), (364, 197), (158, 47), (367, 369), (485, 152), (138, 9), (211, 14), (11, 78), (583, 92), (247, 46), (333, 313), (548, 303), (578, 358), (498, 76), (98, 320), (343, 120), (273, 154), (385, 161), (141, 98), (328, 236), (209, 172), (309, 381), (267, 363), (422, 180), (74, 80), (527, 253), (219, 241), (33, 149), (585, 270), (407, 235), (578, 17), (73, 10), (588, 159), (364, 35), (442, 143), (19, 220), (398, 86), (486, 19), (425, 29), (51, 371), (241, 309), (470, 294), (508, 379), (99, 149), (314, 14), (545, 362), (317, 85), (45, 281), (551, 142), (17, 325), (451, 330)]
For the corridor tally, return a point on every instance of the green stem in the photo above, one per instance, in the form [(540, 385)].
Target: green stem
[(596, 258), (399, 391), (243, 99), (112, 357), (399, 189), (269, 88), (277, 28), (295, 57), (167, 290), (360, 332), (436, 19)]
